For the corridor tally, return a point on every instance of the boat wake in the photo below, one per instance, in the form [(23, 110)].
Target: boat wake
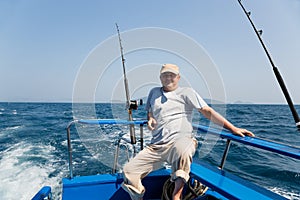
[(25, 168)]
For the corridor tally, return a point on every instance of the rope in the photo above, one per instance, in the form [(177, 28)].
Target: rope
[(193, 190)]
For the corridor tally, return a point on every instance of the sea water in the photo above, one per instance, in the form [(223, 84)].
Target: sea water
[(33, 146)]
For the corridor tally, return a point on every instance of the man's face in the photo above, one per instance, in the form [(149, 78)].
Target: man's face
[(169, 81)]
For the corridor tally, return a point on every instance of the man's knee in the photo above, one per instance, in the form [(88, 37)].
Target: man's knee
[(185, 147)]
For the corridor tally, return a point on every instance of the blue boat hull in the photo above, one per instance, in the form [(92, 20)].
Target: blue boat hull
[(109, 186), (222, 185)]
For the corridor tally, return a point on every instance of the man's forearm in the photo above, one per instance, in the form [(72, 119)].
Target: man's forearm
[(216, 118)]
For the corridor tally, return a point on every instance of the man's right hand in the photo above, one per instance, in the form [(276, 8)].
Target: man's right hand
[(151, 123)]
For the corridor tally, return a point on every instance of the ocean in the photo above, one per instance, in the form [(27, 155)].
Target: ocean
[(33, 145)]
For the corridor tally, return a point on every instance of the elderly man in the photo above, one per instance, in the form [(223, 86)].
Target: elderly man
[(169, 118)]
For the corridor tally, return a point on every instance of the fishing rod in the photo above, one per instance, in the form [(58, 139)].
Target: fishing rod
[(275, 69), (129, 105)]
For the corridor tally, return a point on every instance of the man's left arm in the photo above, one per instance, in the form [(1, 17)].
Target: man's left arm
[(215, 117)]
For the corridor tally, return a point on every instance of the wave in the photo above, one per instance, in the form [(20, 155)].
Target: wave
[(287, 193)]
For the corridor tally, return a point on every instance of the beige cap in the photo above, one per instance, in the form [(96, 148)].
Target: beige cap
[(169, 68)]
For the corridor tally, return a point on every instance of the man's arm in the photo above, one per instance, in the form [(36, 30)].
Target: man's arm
[(216, 118)]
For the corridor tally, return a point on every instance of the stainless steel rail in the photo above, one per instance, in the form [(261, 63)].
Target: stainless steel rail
[(99, 122)]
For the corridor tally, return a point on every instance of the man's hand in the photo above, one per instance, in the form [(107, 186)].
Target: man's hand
[(151, 123), (242, 132)]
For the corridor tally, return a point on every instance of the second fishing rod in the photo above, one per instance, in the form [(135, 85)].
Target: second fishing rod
[(275, 69)]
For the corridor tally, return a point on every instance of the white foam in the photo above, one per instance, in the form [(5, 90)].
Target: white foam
[(8, 130), (23, 179), (293, 195), (12, 128)]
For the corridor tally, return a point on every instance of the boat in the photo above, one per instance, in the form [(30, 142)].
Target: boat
[(221, 184), (206, 181)]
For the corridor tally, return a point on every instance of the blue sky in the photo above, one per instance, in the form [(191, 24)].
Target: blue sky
[(43, 44)]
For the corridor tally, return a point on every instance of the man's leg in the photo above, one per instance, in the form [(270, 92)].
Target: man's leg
[(136, 169), (179, 184), (181, 159)]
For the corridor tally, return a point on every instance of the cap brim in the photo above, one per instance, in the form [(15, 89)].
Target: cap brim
[(169, 70)]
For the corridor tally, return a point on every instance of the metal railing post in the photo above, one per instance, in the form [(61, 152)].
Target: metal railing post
[(225, 154), (142, 136), (70, 149)]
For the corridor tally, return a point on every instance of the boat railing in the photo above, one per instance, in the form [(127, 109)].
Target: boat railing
[(261, 143), (141, 123), (43, 194), (272, 146)]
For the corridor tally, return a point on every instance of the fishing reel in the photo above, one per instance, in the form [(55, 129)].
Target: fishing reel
[(135, 103)]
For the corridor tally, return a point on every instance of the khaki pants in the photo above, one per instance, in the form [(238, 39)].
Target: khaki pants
[(178, 154)]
